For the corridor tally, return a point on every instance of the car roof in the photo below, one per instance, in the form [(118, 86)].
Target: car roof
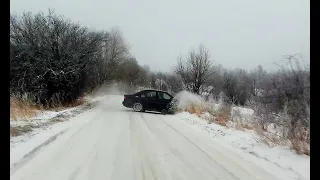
[(155, 90)]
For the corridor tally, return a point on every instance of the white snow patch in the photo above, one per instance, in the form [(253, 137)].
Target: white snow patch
[(242, 115), (247, 112), (206, 115), (215, 107), (275, 129), (282, 161), (46, 115)]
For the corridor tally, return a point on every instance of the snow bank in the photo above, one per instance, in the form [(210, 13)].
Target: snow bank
[(46, 115), (215, 107), (275, 129), (241, 115), (281, 160), (244, 112)]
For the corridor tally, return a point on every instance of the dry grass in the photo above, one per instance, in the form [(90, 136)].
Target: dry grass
[(248, 126), (59, 106), (22, 108), (279, 136), (195, 109), (79, 102), (301, 141), (267, 138), (299, 144), (222, 116), (17, 131), (301, 147), (239, 127)]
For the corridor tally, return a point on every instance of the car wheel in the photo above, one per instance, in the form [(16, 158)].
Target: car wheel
[(164, 111), (138, 107)]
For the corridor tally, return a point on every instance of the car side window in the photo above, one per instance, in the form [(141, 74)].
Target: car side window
[(151, 94), (163, 95)]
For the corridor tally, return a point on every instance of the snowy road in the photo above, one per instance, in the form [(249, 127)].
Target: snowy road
[(111, 142)]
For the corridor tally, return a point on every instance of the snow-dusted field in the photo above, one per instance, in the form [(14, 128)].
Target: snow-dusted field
[(112, 142), (247, 143), (280, 160)]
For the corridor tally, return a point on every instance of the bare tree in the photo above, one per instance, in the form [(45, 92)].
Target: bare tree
[(258, 76), (115, 52), (194, 69), (132, 73), (174, 83)]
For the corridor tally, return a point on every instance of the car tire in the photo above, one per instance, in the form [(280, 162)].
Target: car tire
[(138, 107), (164, 112)]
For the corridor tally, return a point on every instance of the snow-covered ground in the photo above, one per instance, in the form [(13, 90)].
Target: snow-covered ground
[(43, 117), (26, 143), (281, 161), (43, 129), (113, 142), (247, 144)]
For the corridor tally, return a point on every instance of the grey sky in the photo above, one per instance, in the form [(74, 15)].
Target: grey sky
[(239, 34)]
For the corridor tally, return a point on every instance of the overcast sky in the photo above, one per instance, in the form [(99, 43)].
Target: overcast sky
[(238, 33)]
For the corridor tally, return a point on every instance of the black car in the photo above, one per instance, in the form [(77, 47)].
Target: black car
[(150, 100)]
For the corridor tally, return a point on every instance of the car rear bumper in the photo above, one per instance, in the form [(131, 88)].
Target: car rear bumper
[(126, 104)]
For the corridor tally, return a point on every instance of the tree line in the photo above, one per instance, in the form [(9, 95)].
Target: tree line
[(286, 91), (55, 59)]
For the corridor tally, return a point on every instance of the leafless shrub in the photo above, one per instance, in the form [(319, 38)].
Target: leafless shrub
[(236, 86)]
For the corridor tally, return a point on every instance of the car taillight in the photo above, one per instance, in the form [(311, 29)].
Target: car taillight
[(124, 98)]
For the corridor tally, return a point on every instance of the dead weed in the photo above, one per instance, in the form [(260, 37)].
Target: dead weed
[(300, 147), (22, 108), (19, 130), (222, 116)]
